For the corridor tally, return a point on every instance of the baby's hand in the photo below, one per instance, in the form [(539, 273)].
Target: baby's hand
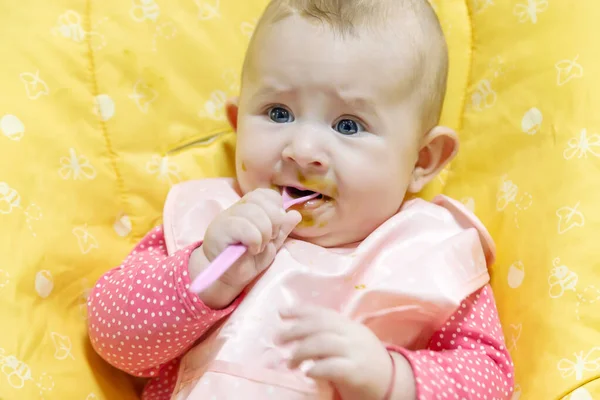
[(343, 352), (257, 221)]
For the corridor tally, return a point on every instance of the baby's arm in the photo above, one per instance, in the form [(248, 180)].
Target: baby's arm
[(465, 358), (141, 314)]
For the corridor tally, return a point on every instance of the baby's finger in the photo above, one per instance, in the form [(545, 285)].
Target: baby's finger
[(334, 369), (271, 202), (292, 218), (240, 229), (265, 196), (313, 313), (257, 216), (317, 347), (270, 195), (303, 329)]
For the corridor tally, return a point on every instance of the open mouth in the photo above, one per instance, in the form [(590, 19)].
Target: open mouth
[(297, 193)]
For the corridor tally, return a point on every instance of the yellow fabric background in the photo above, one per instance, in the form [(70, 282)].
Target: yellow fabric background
[(105, 104)]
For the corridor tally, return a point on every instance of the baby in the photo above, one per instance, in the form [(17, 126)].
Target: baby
[(358, 293)]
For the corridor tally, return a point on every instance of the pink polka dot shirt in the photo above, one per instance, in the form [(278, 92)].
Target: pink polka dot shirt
[(142, 319)]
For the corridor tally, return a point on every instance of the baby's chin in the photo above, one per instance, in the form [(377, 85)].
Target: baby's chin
[(322, 237), (316, 239)]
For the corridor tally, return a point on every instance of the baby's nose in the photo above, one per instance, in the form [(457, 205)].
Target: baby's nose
[(308, 154), (307, 161)]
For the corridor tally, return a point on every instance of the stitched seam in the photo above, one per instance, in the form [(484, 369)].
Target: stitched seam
[(580, 385), (197, 141), (102, 124), (469, 71), (461, 115)]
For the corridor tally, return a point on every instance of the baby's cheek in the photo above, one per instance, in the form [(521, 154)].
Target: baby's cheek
[(254, 172), (379, 194)]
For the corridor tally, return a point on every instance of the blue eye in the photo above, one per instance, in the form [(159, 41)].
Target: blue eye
[(280, 115), (348, 127)]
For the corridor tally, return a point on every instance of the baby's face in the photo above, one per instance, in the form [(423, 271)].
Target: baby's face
[(331, 115)]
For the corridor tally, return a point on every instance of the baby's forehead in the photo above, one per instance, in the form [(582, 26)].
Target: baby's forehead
[(391, 55), (406, 31)]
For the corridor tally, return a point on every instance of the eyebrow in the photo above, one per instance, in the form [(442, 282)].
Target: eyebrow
[(361, 104), (267, 90), (358, 104)]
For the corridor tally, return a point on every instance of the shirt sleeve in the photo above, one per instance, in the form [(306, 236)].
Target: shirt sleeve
[(466, 358), (142, 316)]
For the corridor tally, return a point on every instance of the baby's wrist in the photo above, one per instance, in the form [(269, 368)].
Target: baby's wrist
[(218, 295), (197, 262), (404, 386)]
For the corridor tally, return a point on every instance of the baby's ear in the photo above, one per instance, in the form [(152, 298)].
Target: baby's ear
[(438, 148), (231, 109)]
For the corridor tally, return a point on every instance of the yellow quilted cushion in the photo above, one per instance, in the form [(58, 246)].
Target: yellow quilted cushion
[(529, 167), (104, 105)]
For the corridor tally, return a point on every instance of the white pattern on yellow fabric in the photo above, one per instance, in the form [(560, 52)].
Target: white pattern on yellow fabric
[(166, 170), (86, 241), (18, 374), (214, 107), (581, 393), (62, 346), (515, 331), (497, 68), (69, 26), (529, 10), (45, 384), (76, 167), (9, 199), (16, 371), (12, 127), (208, 9), (569, 218), (44, 283), (33, 213), (143, 95), (532, 121), (104, 107), (567, 70), (122, 225), (588, 296), (509, 193), (247, 27), (35, 86), (561, 279), (483, 96), (580, 363), (166, 31), (232, 80), (516, 274), (583, 144), (142, 10), (480, 6)]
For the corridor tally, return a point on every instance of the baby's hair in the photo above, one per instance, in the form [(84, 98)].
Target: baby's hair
[(416, 18)]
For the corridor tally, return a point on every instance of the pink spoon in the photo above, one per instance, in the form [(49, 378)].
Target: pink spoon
[(233, 252)]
